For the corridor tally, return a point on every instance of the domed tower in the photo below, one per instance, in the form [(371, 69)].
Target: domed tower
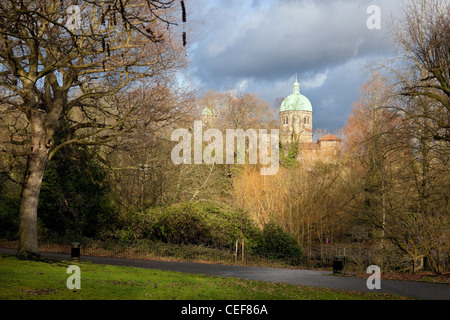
[(209, 116), (296, 117)]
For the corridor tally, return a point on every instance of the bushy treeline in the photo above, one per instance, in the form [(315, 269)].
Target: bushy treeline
[(210, 225), (74, 207)]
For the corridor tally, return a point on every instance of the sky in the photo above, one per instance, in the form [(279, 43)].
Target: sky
[(258, 46)]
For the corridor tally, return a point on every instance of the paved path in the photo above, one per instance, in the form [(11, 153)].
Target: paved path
[(421, 290)]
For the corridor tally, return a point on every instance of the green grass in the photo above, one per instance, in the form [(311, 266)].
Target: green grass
[(46, 280)]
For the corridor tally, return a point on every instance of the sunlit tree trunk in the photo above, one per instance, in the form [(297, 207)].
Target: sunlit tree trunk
[(36, 163)]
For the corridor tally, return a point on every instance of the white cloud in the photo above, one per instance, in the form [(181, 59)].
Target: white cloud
[(316, 81), (242, 85)]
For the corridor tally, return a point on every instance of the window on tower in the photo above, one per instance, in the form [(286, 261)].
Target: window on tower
[(285, 120), (306, 120)]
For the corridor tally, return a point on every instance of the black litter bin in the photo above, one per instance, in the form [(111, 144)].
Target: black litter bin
[(338, 264), (75, 252)]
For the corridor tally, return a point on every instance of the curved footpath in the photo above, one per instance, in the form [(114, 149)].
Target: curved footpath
[(325, 279)]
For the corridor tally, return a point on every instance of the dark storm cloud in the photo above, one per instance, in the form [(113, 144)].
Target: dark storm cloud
[(287, 36), (262, 44)]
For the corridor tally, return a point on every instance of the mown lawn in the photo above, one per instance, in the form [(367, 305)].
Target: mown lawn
[(46, 280)]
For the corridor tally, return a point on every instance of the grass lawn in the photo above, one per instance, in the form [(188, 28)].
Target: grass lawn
[(46, 280)]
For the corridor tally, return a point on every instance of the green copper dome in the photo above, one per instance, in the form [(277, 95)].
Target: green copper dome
[(296, 101), (208, 112)]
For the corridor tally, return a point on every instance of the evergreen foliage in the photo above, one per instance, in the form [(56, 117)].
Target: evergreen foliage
[(276, 244), (74, 197)]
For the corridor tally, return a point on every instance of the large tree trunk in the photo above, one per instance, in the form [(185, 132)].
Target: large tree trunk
[(36, 163)]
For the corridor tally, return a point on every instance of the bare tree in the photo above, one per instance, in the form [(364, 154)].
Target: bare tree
[(238, 110), (62, 63), (419, 212), (397, 175), (423, 39), (140, 160)]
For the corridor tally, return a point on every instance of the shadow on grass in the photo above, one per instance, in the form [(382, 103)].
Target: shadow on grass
[(38, 258)]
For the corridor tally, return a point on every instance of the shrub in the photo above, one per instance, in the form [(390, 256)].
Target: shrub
[(181, 224), (274, 243), (187, 223), (208, 225)]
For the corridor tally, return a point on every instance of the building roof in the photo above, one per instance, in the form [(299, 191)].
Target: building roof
[(296, 101), (329, 137)]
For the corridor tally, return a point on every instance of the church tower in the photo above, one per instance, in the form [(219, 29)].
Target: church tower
[(209, 117), (296, 117)]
